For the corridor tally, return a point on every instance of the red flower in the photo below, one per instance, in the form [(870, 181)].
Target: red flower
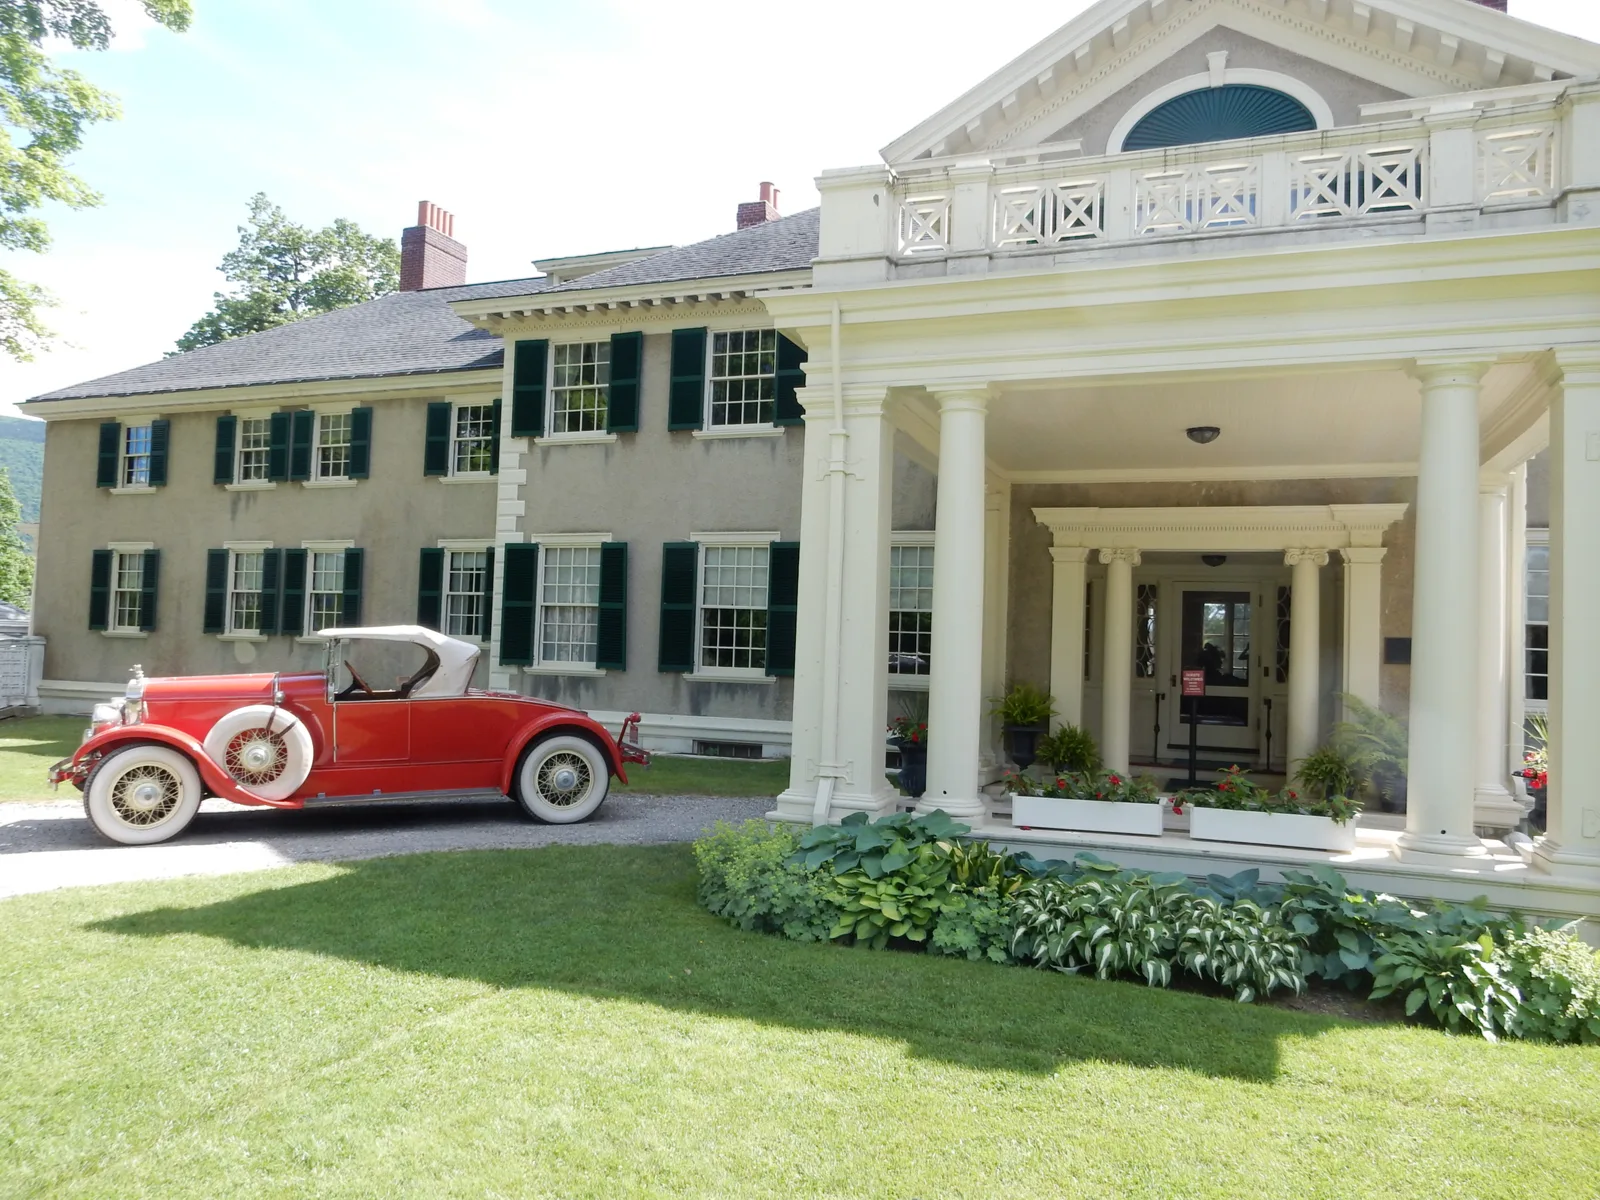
[(1114, 781), (1292, 796), (1177, 810)]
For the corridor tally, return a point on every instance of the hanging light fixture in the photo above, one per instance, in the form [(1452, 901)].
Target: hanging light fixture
[(1203, 434)]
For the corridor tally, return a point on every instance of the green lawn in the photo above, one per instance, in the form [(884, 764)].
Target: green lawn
[(707, 777), (566, 1022), (28, 745)]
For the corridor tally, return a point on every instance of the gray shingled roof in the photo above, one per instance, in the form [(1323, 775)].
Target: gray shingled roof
[(787, 244)]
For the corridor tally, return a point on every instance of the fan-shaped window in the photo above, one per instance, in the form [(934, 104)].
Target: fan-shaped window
[(1237, 110)]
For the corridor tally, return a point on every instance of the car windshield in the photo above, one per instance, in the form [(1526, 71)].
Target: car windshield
[(365, 669)]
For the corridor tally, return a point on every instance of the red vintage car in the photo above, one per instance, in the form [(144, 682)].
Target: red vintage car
[(339, 736)]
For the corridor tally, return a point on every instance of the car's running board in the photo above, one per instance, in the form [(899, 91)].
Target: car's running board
[(475, 794)]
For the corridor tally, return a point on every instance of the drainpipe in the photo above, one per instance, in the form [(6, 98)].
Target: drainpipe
[(832, 636)]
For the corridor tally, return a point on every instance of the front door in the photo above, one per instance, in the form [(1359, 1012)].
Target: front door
[(1217, 634)]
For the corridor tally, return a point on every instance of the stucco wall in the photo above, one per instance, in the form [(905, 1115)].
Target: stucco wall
[(1344, 93), (391, 516)]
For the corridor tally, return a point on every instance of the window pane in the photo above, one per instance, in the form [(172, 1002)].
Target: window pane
[(733, 614), (744, 366), (333, 445), (255, 441), (127, 582), (581, 376), (244, 594), (473, 435), (136, 456), (463, 595), (910, 610), (325, 596), (569, 600)]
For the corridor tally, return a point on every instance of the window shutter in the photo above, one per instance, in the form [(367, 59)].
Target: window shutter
[(100, 589), (791, 377), (611, 639), (110, 454), (303, 431), (292, 611), (160, 439), (686, 402), (494, 437), (350, 602), (227, 437), (430, 588), (680, 566), (436, 447), (278, 447), (271, 589), (488, 593), (216, 610), (783, 598), (360, 443), (517, 606), (622, 397), (149, 589), (528, 369)]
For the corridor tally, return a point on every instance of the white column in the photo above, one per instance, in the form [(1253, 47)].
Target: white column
[(996, 610), (1571, 845), (1492, 804), (955, 692), (1117, 690), (1517, 634), (841, 671), (1363, 621), (1444, 638), (1305, 653), (1067, 597)]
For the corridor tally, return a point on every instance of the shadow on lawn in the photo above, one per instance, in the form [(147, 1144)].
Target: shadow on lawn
[(609, 921)]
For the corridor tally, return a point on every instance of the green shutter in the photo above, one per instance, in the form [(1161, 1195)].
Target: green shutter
[(622, 397), (227, 437), (302, 432), (160, 439), (350, 602), (680, 566), (791, 377), (216, 609), (686, 401), (360, 443), (488, 594), (271, 589), (278, 447), (517, 605), (292, 610), (494, 437), (430, 588), (100, 589), (110, 454), (783, 598), (149, 589), (611, 640), (528, 370), (436, 448)]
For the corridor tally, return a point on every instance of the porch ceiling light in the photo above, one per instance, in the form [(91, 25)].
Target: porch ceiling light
[(1203, 434), (1213, 560)]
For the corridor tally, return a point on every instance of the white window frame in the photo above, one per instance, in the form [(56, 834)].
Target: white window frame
[(744, 427), (240, 483), (320, 418), (121, 487), (717, 541), (558, 541), (899, 539), (313, 548), (457, 546), (1535, 537), (582, 435), (456, 439), (119, 551), (235, 549)]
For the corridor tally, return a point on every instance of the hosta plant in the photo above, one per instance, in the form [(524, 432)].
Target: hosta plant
[(1242, 946), (874, 847), (978, 865), (1114, 926), (1457, 979), (904, 903)]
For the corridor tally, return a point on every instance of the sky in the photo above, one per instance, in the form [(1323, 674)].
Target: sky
[(547, 127)]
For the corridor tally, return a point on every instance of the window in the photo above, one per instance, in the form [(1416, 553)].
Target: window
[(1281, 650), (325, 596), (579, 378), (255, 449), (569, 604), (1537, 670), (744, 366), (332, 446), (1144, 632), (126, 587), (472, 439), (465, 574), (136, 456), (910, 609), (733, 607), (244, 591)]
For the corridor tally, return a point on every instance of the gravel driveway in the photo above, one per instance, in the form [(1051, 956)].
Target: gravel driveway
[(51, 845)]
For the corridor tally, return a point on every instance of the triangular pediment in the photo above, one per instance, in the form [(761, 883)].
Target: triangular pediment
[(1400, 49)]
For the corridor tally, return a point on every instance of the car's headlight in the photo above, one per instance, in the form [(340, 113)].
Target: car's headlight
[(104, 717)]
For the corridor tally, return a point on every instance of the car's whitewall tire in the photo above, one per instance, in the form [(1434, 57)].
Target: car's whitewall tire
[(141, 794), (562, 779), (263, 749)]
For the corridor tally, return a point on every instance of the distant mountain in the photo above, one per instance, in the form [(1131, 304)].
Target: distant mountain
[(22, 453)]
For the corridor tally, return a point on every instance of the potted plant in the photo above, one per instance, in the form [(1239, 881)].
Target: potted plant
[(1241, 810), (1070, 750), (1024, 713), (1535, 772), (909, 735), (1087, 803), (1377, 744)]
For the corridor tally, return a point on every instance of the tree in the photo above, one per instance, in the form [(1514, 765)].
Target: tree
[(287, 271), (43, 112), (16, 564)]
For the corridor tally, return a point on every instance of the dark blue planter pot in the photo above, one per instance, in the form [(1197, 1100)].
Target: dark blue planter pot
[(913, 767), (1024, 744)]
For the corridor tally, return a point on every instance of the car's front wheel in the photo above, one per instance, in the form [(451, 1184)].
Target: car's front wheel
[(142, 794), (562, 779)]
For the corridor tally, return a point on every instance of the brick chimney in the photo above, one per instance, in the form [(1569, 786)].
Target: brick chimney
[(759, 212), (429, 255)]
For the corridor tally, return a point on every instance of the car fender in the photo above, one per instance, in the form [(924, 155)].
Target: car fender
[(217, 781), (557, 723)]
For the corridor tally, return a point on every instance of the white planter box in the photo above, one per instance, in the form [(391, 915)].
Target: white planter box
[(1086, 816), (1270, 829)]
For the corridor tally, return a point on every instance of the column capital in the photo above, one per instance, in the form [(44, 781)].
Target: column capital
[(1069, 554), (1121, 554), (1448, 370), (1363, 555), (972, 397), (1293, 557)]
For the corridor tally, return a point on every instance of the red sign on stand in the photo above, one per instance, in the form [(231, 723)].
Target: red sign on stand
[(1194, 683)]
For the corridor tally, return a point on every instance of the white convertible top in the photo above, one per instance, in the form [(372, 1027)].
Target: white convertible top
[(456, 658)]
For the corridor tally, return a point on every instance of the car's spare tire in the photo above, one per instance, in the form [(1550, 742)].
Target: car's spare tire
[(266, 750)]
